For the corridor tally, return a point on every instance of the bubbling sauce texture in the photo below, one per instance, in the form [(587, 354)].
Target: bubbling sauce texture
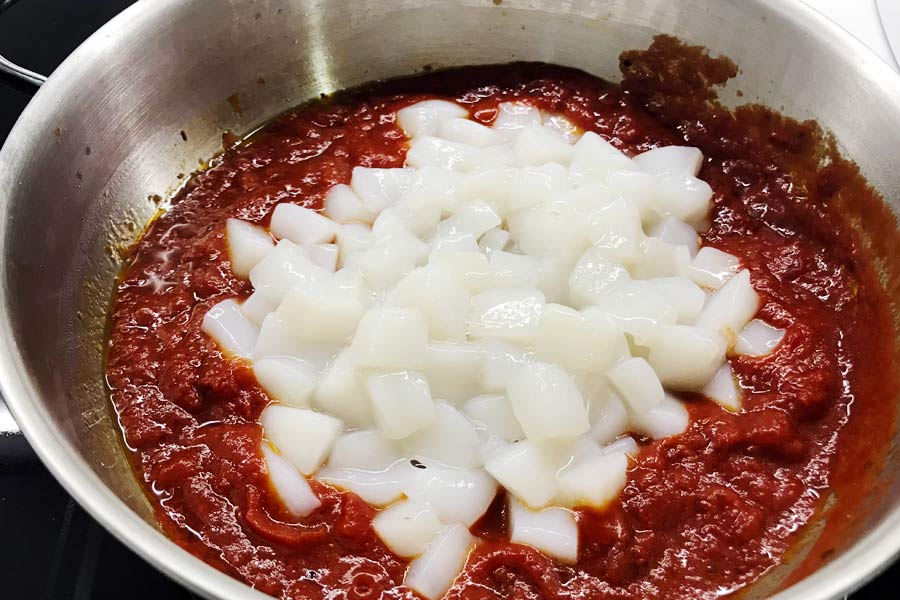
[(702, 514)]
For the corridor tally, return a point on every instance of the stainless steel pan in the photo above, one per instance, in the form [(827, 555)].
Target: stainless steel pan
[(80, 172)]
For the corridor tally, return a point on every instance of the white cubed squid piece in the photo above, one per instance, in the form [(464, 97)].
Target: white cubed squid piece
[(432, 573), (553, 531), (247, 245), (304, 437), (291, 487), (546, 402), (401, 403)]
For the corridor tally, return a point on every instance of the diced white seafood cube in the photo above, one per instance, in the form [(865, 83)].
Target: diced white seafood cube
[(384, 264), (510, 314), (677, 232), (596, 158), (758, 338), (578, 450), (495, 157), (364, 449), (553, 278), (235, 334), (590, 196), (416, 214), (731, 308), (512, 117), (686, 357), (301, 225), (401, 403), (322, 314), (277, 337), (634, 187), (390, 338), (639, 309), (457, 495), (247, 245), (538, 145), (461, 231), (466, 131), (393, 228), (593, 276), (623, 445), (547, 402), (380, 188), (352, 238), (493, 416), (452, 238), (450, 439), (494, 240), (514, 270), (351, 281), (488, 185), (442, 300), (469, 267), (453, 369), (434, 187), (637, 384), (553, 531), (304, 437), (616, 231), (433, 573), (661, 259), (291, 487), (378, 488), (666, 419), (559, 123), (286, 380), (620, 346), (565, 337), (342, 205), (501, 360), (536, 185), (283, 268), (407, 527), (594, 482), (593, 386), (609, 419), (684, 197), (392, 222), (257, 307), (549, 231), (491, 447), (428, 151), (341, 393), (669, 160), (723, 389), (477, 217), (685, 296), (324, 255), (424, 118), (711, 268), (526, 470)]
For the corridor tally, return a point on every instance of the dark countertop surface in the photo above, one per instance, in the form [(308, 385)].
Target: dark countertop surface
[(50, 549)]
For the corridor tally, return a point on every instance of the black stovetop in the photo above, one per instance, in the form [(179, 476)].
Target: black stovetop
[(50, 549)]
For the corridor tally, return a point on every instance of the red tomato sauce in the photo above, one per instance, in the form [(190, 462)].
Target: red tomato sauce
[(703, 514)]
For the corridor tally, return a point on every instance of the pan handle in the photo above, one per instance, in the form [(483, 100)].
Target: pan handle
[(11, 68)]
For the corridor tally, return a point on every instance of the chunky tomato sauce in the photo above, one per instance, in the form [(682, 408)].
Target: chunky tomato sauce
[(703, 514)]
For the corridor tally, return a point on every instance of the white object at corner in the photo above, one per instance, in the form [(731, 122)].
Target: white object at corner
[(862, 20)]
